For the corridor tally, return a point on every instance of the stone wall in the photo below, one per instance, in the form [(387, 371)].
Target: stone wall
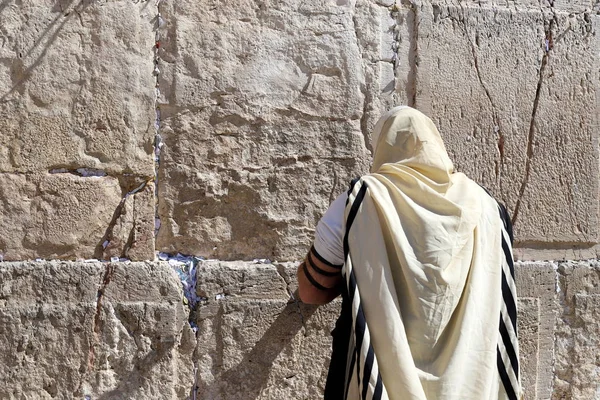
[(223, 130)]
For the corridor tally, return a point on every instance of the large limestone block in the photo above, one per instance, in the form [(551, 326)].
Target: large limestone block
[(577, 364), (232, 198), (265, 116), (76, 96), (55, 282), (238, 279), (92, 330), (76, 86), (66, 216), (254, 347), (538, 306), (514, 94)]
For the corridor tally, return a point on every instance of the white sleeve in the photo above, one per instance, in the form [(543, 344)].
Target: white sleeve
[(329, 234)]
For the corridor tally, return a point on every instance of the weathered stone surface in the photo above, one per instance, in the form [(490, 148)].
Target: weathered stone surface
[(55, 216), (577, 364), (529, 327), (235, 279), (76, 86), (267, 110), (118, 330), (518, 116), (52, 281), (108, 331), (220, 212), (66, 216), (76, 96), (538, 306), (131, 231), (260, 348), (265, 122), (403, 57)]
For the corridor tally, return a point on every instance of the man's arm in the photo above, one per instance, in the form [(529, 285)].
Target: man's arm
[(318, 280)]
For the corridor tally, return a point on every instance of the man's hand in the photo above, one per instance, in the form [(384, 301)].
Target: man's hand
[(318, 281)]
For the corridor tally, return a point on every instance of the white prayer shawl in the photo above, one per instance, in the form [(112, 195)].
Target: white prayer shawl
[(429, 276)]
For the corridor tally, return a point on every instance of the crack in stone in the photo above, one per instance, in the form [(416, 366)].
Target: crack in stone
[(109, 271), (280, 269), (108, 275), (131, 238), (108, 233), (194, 391), (495, 117), (549, 43)]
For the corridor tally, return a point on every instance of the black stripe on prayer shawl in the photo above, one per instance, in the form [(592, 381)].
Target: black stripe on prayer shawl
[(359, 325), (509, 301), (378, 387), (508, 256), (352, 288), (510, 391), (510, 350), (343, 356), (507, 221), (368, 368), (359, 329), (352, 214), (313, 252), (508, 338), (360, 321), (353, 183)]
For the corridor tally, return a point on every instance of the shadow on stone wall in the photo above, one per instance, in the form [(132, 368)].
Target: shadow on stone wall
[(268, 365)]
